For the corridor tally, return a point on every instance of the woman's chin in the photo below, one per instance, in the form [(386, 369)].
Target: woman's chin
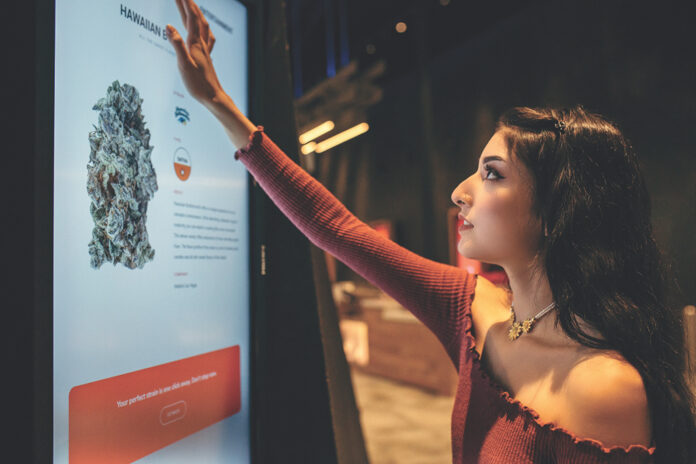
[(466, 251)]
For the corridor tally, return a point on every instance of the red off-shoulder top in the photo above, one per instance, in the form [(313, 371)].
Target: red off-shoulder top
[(488, 425)]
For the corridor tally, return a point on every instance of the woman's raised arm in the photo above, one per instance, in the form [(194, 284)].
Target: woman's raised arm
[(438, 294), (198, 72)]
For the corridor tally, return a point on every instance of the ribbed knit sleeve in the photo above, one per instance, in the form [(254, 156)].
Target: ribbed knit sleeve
[(437, 294)]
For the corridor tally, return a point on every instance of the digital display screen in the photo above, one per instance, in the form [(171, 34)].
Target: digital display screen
[(151, 257)]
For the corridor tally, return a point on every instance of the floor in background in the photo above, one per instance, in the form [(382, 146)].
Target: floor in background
[(403, 424)]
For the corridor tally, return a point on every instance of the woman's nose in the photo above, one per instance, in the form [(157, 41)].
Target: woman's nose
[(460, 197)]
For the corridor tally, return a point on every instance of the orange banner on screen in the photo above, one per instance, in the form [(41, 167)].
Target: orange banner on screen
[(123, 418)]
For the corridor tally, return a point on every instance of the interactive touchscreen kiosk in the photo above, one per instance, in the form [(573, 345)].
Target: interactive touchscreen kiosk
[(151, 338)]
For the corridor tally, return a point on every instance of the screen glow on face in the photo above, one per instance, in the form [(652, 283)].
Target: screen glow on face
[(151, 247)]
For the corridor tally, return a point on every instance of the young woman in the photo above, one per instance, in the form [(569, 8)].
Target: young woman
[(581, 360)]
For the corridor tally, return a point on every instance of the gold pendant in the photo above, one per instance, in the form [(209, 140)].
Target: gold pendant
[(518, 328)]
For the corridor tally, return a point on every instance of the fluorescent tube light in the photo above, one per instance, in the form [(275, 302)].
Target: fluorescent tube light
[(342, 137), (318, 131)]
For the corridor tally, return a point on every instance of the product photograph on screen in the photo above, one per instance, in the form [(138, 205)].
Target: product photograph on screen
[(121, 180)]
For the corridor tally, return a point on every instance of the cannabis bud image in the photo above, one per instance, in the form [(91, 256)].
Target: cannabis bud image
[(120, 180)]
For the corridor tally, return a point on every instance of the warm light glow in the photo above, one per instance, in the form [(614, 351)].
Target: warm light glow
[(401, 27), (342, 137), (318, 131), (309, 148)]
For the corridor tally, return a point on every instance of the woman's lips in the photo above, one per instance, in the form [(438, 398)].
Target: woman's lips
[(466, 225)]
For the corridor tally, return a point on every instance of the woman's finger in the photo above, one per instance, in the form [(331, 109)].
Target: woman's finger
[(193, 23), (180, 7), (182, 53), (187, 8), (211, 42), (205, 27)]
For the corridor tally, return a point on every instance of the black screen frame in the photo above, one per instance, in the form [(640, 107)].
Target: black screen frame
[(41, 339)]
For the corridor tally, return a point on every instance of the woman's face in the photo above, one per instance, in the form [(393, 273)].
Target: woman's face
[(497, 201)]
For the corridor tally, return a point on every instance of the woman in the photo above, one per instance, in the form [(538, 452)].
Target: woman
[(581, 361)]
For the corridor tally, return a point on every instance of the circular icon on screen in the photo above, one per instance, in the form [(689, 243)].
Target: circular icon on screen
[(182, 163)]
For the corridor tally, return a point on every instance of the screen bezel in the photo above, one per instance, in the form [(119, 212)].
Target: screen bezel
[(43, 227)]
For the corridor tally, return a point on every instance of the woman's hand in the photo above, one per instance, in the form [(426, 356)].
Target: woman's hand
[(198, 73), (193, 56)]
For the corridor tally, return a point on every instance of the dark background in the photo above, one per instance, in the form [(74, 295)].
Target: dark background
[(450, 75)]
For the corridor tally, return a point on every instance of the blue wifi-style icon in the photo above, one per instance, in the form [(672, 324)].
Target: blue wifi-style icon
[(182, 115)]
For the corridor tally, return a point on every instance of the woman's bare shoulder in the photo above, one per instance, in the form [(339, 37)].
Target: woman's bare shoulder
[(606, 399)]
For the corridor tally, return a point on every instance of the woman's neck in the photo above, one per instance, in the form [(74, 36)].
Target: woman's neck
[(531, 293)]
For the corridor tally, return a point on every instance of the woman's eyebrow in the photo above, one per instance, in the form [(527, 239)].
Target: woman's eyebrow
[(492, 158)]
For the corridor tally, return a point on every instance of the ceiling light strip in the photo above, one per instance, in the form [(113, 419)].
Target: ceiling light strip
[(342, 137), (318, 131)]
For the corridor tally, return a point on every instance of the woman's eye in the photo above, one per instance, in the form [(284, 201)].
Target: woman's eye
[(490, 170)]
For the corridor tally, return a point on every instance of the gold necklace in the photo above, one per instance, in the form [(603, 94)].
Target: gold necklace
[(518, 328)]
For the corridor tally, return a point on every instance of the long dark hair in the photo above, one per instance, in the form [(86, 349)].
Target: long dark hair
[(601, 258)]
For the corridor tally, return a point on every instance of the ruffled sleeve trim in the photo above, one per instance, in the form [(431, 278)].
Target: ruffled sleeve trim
[(254, 140)]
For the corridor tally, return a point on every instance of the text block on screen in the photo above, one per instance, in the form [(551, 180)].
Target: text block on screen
[(123, 418)]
